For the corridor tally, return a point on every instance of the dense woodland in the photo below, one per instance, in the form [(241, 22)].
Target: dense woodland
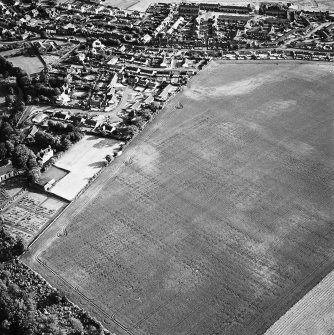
[(29, 306)]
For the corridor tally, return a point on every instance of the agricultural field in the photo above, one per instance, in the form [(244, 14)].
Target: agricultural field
[(29, 64), (217, 217), (312, 315), (83, 160)]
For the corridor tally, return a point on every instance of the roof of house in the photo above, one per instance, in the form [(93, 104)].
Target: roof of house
[(6, 169), (33, 131)]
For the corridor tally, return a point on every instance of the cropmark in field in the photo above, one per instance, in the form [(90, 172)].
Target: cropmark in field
[(217, 218)]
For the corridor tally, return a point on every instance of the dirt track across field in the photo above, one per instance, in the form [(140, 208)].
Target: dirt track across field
[(217, 218)]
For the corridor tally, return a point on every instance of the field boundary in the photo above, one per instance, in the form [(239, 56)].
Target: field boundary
[(90, 301), (302, 288)]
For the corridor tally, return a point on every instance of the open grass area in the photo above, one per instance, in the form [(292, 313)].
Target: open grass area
[(29, 64), (217, 218), (83, 160), (54, 173)]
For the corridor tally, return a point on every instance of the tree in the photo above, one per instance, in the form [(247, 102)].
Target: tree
[(146, 114), (43, 139), (10, 147), (25, 81), (108, 158), (19, 247), (44, 34), (6, 130), (36, 100), (65, 144), (34, 175), (3, 151), (15, 117), (70, 128), (132, 130), (44, 98), (10, 247), (16, 137), (32, 163), (75, 136), (51, 124), (95, 330), (19, 105), (18, 72), (28, 99), (20, 156), (56, 91), (76, 325), (9, 100)]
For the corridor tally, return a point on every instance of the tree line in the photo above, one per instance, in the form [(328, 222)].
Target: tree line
[(29, 306)]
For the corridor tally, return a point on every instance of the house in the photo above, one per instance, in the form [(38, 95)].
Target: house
[(136, 106), (61, 115), (39, 117), (7, 171), (45, 155), (234, 9), (63, 99), (31, 134), (188, 9), (230, 19), (68, 29), (93, 122), (212, 7), (277, 10), (149, 99), (76, 119), (97, 45)]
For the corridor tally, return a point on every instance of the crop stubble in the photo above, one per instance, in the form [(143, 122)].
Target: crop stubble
[(216, 222)]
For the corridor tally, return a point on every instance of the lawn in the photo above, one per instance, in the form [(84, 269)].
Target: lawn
[(217, 218), (54, 173), (29, 64), (82, 161)]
